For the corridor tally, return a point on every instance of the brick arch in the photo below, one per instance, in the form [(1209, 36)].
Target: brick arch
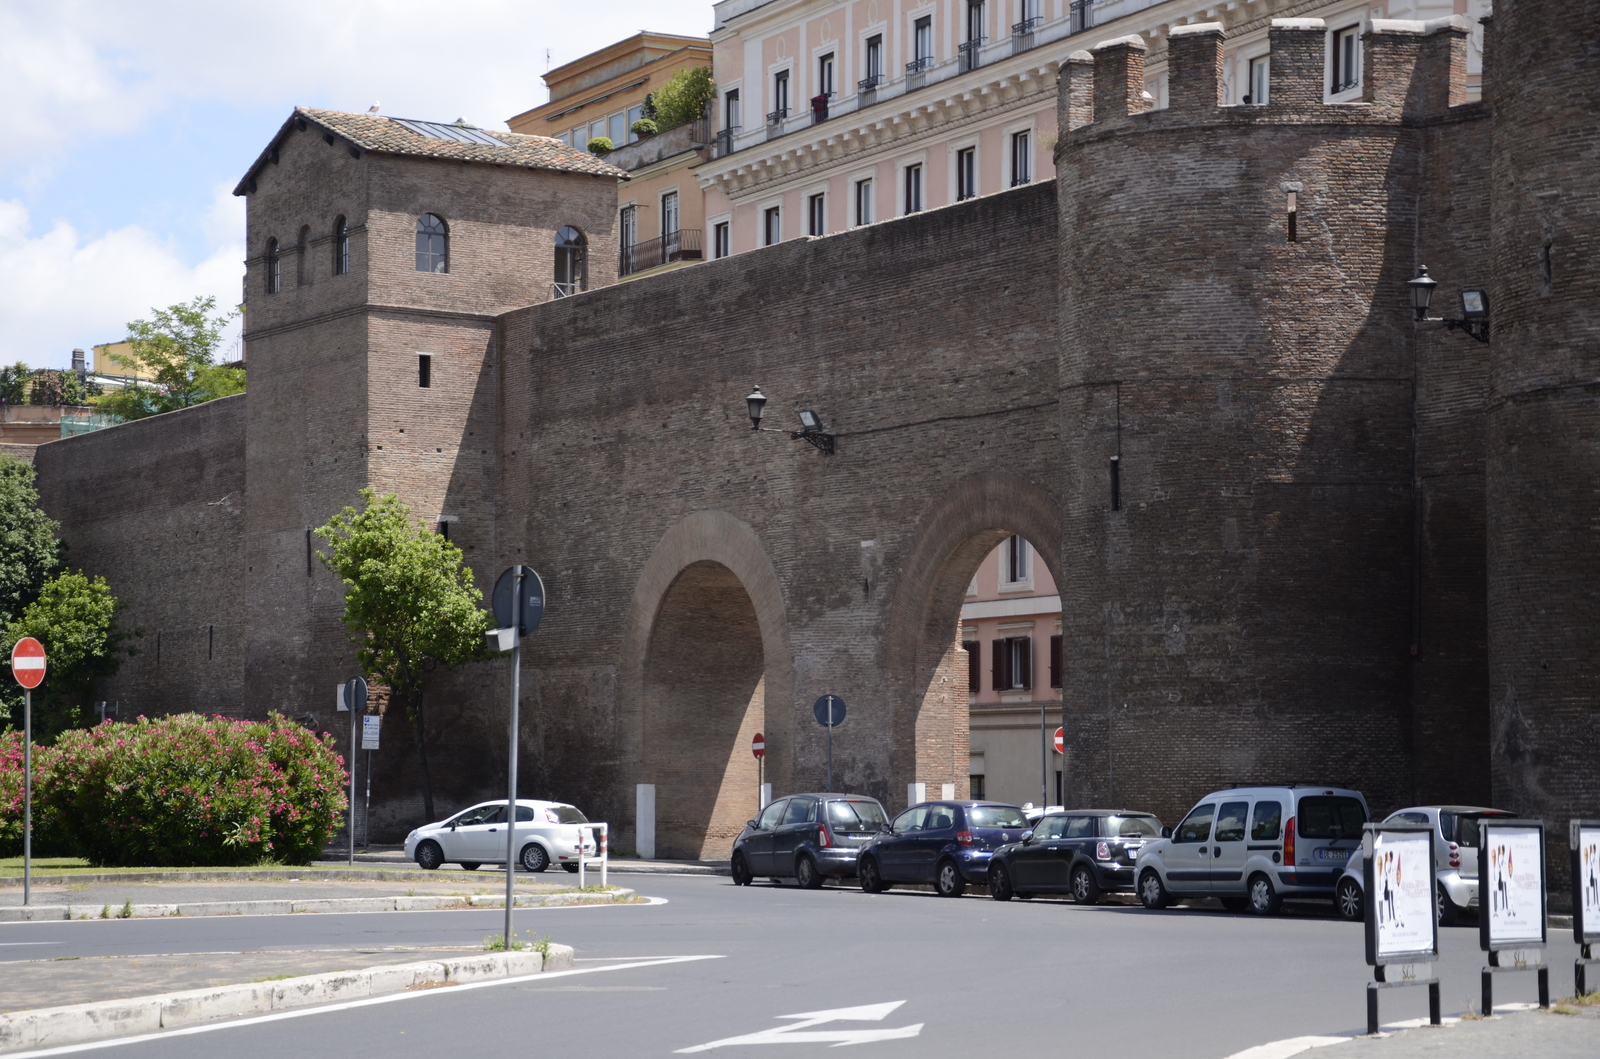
[(922, 640), (706, 556)]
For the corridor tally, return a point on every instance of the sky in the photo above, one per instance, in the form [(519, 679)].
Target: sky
[(126, 125)]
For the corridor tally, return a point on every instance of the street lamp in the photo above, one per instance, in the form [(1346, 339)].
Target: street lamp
[(810, 424), (1474, 306), (756, 403)]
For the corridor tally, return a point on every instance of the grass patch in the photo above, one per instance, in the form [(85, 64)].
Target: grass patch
[(497, 943), (274, 978), (1588, 1000)]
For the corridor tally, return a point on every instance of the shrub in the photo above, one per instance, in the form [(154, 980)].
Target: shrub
[(645, 127), (600, 145), (193, 790), (45, 840), (684, 97)]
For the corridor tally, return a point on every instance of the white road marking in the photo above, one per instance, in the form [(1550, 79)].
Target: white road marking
[(8, 944), (799, 1032), (348, 1005), (1295, 1045)]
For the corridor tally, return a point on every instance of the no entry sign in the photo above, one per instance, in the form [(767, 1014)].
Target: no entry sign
[(758, 745), (27, 662), (1061, 740)]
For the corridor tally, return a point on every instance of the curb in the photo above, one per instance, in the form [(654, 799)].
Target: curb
[(80, 1023), (425, 903), (615, 865), (252, 875)]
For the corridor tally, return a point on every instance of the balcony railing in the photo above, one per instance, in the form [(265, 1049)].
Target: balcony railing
[(969, 53), (681, 245), (725, 138), (1081, 16), (776, 117), (917, 65), (1026, 26), (869, 82)]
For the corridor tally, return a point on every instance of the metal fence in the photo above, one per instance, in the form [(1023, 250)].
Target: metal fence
[(681, 245)]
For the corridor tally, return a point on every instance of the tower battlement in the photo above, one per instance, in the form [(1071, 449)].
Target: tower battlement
[(1412, 71)]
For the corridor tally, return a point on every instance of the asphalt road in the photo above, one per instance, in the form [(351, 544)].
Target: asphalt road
[(977, 976)]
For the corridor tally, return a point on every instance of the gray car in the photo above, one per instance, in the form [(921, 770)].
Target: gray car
[(806, 837), (1455, 844)]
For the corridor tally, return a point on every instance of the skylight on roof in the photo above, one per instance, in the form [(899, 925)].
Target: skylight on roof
[(435, 130)]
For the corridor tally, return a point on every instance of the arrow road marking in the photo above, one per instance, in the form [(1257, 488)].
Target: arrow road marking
[(800, 1032)]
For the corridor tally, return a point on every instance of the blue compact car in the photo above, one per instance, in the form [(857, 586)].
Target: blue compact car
[(946, 843)]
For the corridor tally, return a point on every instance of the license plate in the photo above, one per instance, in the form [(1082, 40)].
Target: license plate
[(1333, 854)]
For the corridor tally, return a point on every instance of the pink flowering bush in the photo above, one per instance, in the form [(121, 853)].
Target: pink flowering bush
[(44, 839), (191, 790)]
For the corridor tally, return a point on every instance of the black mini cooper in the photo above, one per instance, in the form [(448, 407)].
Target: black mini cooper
[(1085, 852)]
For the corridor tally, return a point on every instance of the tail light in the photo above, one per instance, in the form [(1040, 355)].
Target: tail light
[(1288, 842), (964, 838), (1455, 855), (1102, 851), (827, 839)]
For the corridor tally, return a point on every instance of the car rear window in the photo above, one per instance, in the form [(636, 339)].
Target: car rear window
[(567, 814), (857, 814), (1323, 816), (1463, 829), (1133, 827), (995, 816)]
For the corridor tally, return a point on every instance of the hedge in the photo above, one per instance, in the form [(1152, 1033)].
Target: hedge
[(180, 790)]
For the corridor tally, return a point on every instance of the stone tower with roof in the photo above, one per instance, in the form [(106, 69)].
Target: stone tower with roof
[(372, 365)]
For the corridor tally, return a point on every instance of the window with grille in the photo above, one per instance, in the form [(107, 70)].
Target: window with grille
[(1346, 59), (433, 244)]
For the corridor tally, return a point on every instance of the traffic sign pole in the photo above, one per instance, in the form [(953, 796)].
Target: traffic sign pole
[(27, 794), (511, 770)]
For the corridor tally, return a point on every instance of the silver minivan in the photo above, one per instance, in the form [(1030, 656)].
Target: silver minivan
[(1252, 847)]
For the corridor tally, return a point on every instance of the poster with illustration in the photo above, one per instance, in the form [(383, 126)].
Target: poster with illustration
[(1586, 880), (1511, 874), (1402, 893)]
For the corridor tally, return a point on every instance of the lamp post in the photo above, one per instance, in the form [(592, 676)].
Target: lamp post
[(1474, 318), (810, 431)]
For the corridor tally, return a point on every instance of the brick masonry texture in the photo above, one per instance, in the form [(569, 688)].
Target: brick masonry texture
[(1339, 535)]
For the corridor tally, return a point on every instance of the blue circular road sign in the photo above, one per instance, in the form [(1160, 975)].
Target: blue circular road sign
[(829, 711), (532, 598)]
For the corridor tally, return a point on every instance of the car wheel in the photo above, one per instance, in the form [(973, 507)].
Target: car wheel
[(1085, 890), (741, 871), (871, 881), (806, 874), (1152, 891), (573, 868), (1235, 904), (1264, 899), (534, 858), (1349, 900), (1000, 883), (470, 865), (430, 856), (1449, 913), (947, 880)]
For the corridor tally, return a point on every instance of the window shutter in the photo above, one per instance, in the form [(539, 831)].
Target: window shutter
[(974, 666), (1055, 661), (1024, 678), (1001, 672)]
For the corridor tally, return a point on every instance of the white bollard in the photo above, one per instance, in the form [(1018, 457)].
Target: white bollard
[(947, 791), (916, 793), (644, 821), (766, 795)]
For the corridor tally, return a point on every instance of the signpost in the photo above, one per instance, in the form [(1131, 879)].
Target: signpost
[(758, 747), (371, 726), (1402, 921), (1584, 836), (518, 607), (1511, 901), (829, 712), (353, 697), (28, 666)]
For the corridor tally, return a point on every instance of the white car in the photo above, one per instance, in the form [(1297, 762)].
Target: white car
[(1455, 843), (547, 833)]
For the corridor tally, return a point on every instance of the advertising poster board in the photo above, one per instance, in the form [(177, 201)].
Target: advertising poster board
[(1511, 899), (1402, 922), (1585, 836)]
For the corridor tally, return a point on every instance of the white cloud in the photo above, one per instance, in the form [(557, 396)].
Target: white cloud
[(59, 290)]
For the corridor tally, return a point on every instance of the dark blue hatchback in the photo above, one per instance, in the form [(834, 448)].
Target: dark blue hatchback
[(946, 843)]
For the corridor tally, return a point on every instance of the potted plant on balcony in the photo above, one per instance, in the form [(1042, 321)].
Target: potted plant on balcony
[(644, 128), (600, 145)]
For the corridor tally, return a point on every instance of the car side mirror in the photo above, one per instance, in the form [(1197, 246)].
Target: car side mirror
[(752, 825), (1166, 832), (452, 825), (1027, 839)]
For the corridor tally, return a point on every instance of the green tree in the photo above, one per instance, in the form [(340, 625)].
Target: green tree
[(683, 98), (29, 551), (14, 383), (75, 618), (178, 349), (410, 605), (50, 386)]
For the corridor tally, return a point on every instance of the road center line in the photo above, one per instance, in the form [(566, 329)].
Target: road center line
[(348, 1005)]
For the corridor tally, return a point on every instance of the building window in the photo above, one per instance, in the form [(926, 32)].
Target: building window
[(721, 239), (975, 36), (913, 190), (634, 114), (1021, 158), (628, 239), (771, 225), (732, 115), (1013, 664), (425, 370), (572, 262), (780, 98), (874, 62), (433, 244), (825, 75), (341, 247), (274, 275), (975, 783), (617, 129), (922, 44), (1259, 80), (1346, 59), (974, 685), (669, 215), (1016, 562), (864, 201), (816, 215), (1029, 10), (1055, 661), (966, 173)]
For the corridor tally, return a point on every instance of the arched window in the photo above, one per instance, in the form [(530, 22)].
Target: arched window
[(433, 244), (273, 274), (302, 268), (572, 262), (341, 247)]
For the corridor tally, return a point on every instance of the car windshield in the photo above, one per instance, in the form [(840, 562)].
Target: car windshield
[(567, 814), (1331, 817), (857, 814), (1133, 827), (995, 816)]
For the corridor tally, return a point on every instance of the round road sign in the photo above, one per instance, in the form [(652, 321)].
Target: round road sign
[(532, 598), (829, 711), (1061, 739), (758, 745), (27, 662)]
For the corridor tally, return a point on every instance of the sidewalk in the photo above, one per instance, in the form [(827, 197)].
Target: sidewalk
[(1534, 1033), (396, 857)]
